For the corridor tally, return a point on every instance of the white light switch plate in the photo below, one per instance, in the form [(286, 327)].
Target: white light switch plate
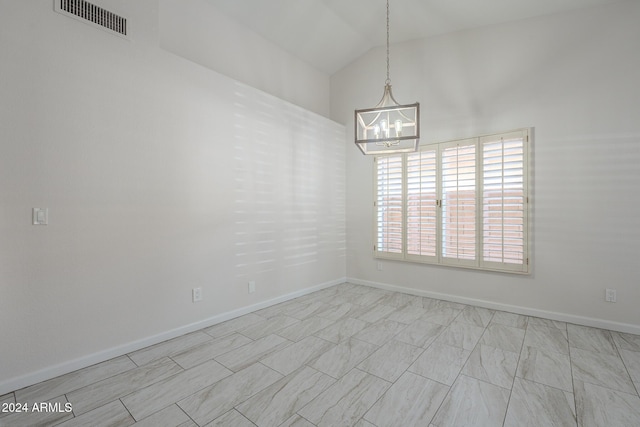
[(40, 216)]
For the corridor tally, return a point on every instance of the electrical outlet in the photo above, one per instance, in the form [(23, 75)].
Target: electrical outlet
[(610, 295), (252, 287), (379, 266), (197, 294)]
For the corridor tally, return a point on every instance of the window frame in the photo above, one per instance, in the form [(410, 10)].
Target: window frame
[(479, 263)]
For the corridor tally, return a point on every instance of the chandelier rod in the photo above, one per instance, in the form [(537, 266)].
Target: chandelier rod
[(388, 81)]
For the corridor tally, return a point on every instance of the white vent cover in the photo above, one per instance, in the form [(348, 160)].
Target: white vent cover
[(93, 15)]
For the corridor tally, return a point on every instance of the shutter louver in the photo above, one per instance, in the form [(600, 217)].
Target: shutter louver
[(389, 205)]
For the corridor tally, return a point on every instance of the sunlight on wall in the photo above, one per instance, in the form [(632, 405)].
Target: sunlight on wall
[(289, 169)]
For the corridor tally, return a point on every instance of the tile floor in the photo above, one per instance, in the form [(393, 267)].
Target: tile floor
[(356, 356)]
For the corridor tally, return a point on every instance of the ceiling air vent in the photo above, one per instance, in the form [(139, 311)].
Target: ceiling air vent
[(93, 15)]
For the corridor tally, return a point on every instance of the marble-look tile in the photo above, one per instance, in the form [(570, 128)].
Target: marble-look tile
[(601, 369), (451, 304), (344, 297), (503, 337), (168, 348), (74, 380), (398, 300), (420, 333), (407, 314), (600, 406), (171, 416), (346, 401), (343, 310), (343, 357), (510, 319), (213, 401), (476, 316), (380, 332), (550, 339), (631, 360), (341, 330), (294, 356), (148, 400), (305, 310), (232, 418), (110, 389), (244, 356), (276, 310), (459, 334), (535, 405), (208, 350), (430, 303), (364, 423), (627, 341), (352, 287), (110, 415), (233, 325), (297, 421), (268, 327), (472, 402), (545, 367), (591, 339), (377, 313), (493, 365), (391, 360), (441, 315), (305, 328), (370, 298), (38, 418), (441, 363), (281, 400), (547, 323), (412, 401), (7, 398)]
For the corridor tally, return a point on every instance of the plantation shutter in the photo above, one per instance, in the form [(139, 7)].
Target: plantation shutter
[(422, 198), (504, 203), (389, 205), (458, 203)]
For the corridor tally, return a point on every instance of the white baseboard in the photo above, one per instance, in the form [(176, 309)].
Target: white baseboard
[(47, 373), (563, 317)]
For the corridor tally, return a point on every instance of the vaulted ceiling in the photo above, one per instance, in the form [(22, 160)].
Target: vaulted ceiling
[(329, 34)]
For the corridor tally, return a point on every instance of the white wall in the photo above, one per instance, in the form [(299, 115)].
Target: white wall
[(160, 175), (573, 77), (196, 30)]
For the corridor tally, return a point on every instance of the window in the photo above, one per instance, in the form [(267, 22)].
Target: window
[(461, 203)]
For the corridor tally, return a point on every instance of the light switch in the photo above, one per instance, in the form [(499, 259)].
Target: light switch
[(40, 216)]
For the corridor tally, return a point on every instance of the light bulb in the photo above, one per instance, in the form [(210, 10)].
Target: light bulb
[(376, 131), (398, 126), (385, 128)]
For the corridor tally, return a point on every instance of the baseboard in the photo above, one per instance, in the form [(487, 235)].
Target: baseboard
[(563, 317), (17, 383)]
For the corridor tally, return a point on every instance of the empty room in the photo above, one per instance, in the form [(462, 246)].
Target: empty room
[(330, 213)]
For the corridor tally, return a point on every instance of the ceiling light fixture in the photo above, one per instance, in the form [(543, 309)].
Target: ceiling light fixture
[(388, 127)]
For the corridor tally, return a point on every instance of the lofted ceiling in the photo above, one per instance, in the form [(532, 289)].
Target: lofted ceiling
[(329, 34)]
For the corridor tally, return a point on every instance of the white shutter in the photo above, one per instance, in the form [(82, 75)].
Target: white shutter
[(458, 174), (422, 197), (460, 203), (504, 207), (389, 206)]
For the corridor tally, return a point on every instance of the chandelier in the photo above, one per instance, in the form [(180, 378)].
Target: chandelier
[(388, 127)]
